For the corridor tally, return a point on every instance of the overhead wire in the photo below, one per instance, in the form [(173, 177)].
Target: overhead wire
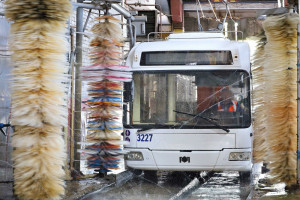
[(198, 17), (225, 2), (201, 9), (217, 19), (229, 12)]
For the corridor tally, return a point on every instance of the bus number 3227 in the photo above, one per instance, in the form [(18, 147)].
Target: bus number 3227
[(144, 137)]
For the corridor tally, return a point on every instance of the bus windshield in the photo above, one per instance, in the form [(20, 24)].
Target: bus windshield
[(178, 98)]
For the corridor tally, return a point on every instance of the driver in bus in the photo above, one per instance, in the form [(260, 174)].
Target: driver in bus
[(227, 102)]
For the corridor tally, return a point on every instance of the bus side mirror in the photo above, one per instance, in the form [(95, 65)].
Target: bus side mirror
[(127, 92)]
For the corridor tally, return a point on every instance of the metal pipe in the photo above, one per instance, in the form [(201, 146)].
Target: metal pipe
[(134, 34), (77, 95), (130, 33), (193, 185), (79, 4), (87, 20), (115, 6), (298, 98), (122, 11), (71, 148)]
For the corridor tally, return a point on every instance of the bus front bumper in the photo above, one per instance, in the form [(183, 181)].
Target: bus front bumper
[(191, 160)]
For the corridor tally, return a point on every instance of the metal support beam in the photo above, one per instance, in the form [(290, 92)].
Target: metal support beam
[(77, 95), (115, 6), (79, 4), (130, 33), (122, 11)]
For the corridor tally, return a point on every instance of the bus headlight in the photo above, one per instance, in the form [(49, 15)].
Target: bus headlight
[(239, 156), (134, 156)]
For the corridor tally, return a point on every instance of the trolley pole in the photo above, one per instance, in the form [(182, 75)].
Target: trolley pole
[(298, 97)]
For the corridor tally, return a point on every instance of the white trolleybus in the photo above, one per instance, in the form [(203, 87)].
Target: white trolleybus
[(189, 105)]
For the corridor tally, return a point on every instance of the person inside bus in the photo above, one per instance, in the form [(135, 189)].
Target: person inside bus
[(227, 102)]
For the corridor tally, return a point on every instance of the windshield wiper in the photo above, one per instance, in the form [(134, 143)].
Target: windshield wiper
[(155, 126), (205, 118)]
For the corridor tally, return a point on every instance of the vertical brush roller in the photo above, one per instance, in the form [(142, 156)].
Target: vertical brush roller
[(280, 96), (104, 106), (38, 95), (259, 144)]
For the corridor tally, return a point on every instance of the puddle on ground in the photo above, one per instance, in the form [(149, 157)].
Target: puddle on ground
[(223, 185)]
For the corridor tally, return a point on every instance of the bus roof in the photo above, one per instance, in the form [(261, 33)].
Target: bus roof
[(193, 42), (196, 35)]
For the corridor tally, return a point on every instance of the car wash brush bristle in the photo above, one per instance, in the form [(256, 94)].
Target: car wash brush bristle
[(38, 160), (108, 28), (104, 106), (57, 10), (281, 94), (259, 143), (38, 87)]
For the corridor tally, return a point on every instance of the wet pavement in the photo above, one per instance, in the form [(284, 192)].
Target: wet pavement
[(78, 188), (224, 185), (126, 186), (140, 188), (74, 189)]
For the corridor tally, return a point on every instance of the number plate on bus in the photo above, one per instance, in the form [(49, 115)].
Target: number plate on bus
[(144, 137)]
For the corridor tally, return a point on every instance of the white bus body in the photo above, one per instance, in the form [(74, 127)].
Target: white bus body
[(176, 84)]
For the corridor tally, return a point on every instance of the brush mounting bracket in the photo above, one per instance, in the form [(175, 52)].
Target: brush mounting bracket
[(2, 126), (105, 4)]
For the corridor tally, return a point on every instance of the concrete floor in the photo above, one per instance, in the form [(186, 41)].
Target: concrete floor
[(74, 189)]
